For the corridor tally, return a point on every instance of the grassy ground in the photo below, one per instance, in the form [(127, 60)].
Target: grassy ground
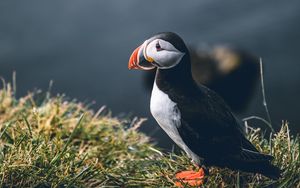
[(50, 142)]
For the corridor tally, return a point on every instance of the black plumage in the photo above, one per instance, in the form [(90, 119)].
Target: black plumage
[(207, 125), (210, 130)]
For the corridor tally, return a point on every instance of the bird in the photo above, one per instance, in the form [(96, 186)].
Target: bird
[(195, 117), (230, 71)]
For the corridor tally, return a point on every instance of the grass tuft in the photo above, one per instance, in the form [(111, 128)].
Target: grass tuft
[(48, 142)]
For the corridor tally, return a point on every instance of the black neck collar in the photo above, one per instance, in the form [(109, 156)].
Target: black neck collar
[(176, 78)]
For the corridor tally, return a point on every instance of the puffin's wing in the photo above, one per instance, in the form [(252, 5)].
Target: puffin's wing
[(208, 125)]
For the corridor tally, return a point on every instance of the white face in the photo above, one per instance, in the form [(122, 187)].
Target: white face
[(163, 53)]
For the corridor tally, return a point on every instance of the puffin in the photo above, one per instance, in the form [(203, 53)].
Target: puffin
[(228, 70), (195, 117)]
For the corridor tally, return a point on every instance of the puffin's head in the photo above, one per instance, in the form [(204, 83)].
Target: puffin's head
[(164, 51)]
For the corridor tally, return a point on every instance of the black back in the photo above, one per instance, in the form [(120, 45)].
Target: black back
[(208, 126)]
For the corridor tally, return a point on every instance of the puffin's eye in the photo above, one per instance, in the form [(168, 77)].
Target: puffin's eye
[(158, 47)]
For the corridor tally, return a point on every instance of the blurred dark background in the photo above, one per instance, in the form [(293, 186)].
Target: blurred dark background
[(84, 46)]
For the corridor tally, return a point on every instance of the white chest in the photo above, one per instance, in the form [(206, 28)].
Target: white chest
[(164, 110), (167, 115)]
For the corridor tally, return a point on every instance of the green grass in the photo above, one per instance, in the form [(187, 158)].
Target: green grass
[(51, 142)]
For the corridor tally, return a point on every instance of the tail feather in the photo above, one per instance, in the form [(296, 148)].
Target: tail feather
[(262, 167), (254, 162), (269, 170)]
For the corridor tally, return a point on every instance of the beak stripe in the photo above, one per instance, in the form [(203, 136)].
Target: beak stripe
[(133, 61), (145, 54)]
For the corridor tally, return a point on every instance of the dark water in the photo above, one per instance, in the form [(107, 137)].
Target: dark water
[(84, 46)]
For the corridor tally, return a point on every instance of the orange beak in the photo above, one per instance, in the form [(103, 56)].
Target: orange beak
[(133, 61), (138, 61)]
